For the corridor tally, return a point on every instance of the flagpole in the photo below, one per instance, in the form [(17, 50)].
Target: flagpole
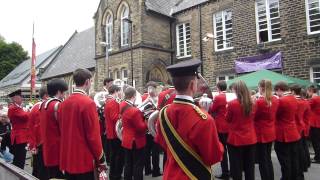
[(33, 60)]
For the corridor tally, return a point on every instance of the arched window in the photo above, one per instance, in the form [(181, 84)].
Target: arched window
[(124, 25), (109, 30)]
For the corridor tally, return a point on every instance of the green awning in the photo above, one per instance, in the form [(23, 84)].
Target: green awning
[(253, 79)]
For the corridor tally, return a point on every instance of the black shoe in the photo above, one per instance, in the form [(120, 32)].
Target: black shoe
[(156, 174), (223, 176)]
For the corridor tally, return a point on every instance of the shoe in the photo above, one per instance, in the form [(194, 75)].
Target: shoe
[(223, 176), (156, 174)]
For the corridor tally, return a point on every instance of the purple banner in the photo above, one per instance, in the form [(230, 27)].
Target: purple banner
[(255, 63)]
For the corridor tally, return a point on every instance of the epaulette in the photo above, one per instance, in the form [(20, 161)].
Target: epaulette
[(196, 108)]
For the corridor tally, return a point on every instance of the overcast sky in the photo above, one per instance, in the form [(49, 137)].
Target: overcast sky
[(55, 21)]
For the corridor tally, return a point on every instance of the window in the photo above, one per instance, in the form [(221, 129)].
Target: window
[(224, 78), (124, 26), (313, 16), (315, 74), (268, 20), (222, 23), (117, 74), (109, 29), (110, 74), (124, 73), (183, 40)]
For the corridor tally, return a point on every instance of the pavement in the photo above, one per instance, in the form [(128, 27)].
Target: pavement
[(312, 174)]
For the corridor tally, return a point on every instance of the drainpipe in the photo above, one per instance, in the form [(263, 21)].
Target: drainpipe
[(200, 39), (171, 44)]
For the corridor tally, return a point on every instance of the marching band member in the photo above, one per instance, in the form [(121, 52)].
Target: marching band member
[(301, 126), (35, 139), (287, 135), (49, 126), (242, 137), (107, 82), (133, 136), (111, 113), (264, 122), (19, 133), (81, 148), (152, 149), (183, 127), (219, 112), (315, 122)]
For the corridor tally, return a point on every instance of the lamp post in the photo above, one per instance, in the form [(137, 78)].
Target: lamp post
[(131, 48), (107, 56)]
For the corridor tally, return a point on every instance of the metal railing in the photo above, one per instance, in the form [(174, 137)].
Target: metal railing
[(11, 172)]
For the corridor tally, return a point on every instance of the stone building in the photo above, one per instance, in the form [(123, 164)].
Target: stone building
[(282, 35), (19, 77), (78, 52)]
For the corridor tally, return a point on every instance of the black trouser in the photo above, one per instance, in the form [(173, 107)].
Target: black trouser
[(54, 172), (287, 154), (152, 149), (84, 176), (42, 170), (19, 151), (6, 142), (117, 159), (242, 158), (224, 163), (315, 139), (106, 147), (134, 161), (305, 154), (264, 160)]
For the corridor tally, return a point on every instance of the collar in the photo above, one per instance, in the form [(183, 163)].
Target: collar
[(184, 98), (298, 97), (20, 106), (79, 91), (287, 93), (129, 102)]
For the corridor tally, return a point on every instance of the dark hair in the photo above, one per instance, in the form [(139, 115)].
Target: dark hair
[(313, 88), (282, 86), (296, 89), (107, 80), (80, 76), (56, 85), (304, 94), (243, 96), (129, 93), (181, 83), (266, 87), (113, 88), (43, 91), (222, 85), (231, 86)]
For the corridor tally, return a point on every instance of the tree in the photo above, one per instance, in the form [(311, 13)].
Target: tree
[(11, 55)]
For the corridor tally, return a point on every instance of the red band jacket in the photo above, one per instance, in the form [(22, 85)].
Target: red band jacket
[(134, 126), (241, 127), (80, 135), (219, 109), (286, 128), (111, 114), (200, 134), (19, 120), (265, 119)]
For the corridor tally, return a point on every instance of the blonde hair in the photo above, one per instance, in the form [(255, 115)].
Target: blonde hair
[(266, 87), (244, 97)]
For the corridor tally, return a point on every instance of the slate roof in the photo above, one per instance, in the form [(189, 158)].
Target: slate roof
[(170, 7), (22, 71), (78, 52)]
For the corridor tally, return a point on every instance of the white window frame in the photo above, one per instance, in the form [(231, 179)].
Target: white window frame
[(308, 19), (124, 8), (109, 27), (184, 40), (224, 31), (268, 22), (122, 74), (227, 77), (311, 73)]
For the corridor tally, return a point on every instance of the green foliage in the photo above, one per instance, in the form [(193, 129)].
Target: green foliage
[(11, 55)]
